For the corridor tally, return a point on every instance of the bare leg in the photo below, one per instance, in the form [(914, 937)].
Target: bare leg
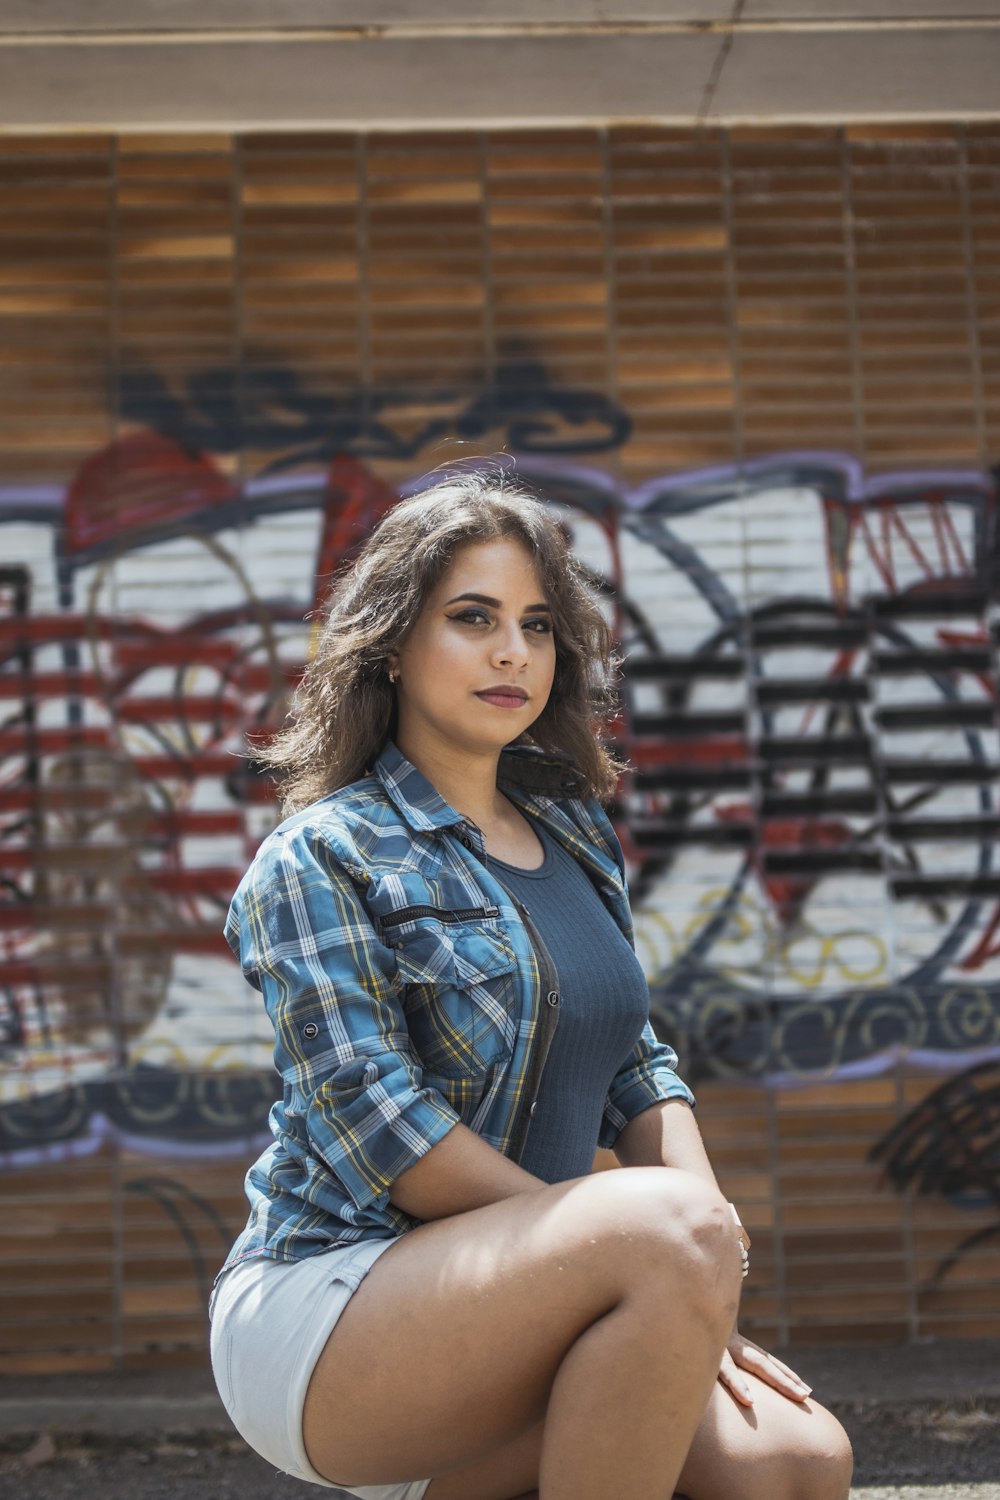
[(598, 1307), (508, 1473), (775, 1450)]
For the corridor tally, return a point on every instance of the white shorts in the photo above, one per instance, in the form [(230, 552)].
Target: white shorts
[(270, 1322)]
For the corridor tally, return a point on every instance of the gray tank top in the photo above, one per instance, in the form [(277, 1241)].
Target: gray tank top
[(604, 1005)]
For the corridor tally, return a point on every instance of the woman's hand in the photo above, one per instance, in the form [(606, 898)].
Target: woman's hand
[(744, 1354)]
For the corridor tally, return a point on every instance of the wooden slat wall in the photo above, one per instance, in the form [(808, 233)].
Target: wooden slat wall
[(838, 1257), (96, 1270), (736, 293)]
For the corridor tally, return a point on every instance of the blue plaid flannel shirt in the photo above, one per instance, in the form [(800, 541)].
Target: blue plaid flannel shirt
[(405, 994)]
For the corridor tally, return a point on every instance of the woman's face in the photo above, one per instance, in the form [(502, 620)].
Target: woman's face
[(476, 669)]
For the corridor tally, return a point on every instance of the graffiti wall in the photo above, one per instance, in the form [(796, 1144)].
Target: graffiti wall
[(756, 376)]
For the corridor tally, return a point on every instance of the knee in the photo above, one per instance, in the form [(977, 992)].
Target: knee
[(836, 1458), (676, 1213), (824, 1466), (663, 1221)]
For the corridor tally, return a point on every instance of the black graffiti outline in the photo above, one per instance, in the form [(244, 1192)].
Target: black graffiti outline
[(266, 407), (948, 1146)]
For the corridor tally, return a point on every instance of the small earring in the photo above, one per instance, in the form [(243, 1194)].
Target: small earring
[(393, 673)]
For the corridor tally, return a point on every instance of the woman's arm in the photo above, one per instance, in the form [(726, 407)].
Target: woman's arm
[(665, 1135), (341, 1040), (460, 1173)]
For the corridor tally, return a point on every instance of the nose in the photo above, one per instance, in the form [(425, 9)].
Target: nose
[(510, 647)]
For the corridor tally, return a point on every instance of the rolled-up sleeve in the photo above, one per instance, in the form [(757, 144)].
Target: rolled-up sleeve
[(353, 1090), (647, 1078)]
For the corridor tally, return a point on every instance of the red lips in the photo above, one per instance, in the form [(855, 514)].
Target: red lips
[(504, 695)]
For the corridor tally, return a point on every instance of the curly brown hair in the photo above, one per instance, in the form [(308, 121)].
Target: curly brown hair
[(345, 706)]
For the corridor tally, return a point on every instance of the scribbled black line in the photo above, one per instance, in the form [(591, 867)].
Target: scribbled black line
[(164, 1191), (949, 1146), (224, 410)]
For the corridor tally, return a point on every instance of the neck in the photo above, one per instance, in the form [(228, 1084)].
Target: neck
[(467, 782)]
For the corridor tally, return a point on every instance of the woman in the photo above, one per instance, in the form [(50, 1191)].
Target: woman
[(433, 1296)]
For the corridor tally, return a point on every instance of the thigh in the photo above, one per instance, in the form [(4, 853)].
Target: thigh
[(506, 1473), (772, 1449), (448, 1350)]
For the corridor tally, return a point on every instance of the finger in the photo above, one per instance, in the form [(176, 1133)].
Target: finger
[(773, 1372), (734, 1382), (749, 1347), (788, 1371)]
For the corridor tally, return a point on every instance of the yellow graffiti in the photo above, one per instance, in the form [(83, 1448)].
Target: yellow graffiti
[(807, 956), (830, 947)]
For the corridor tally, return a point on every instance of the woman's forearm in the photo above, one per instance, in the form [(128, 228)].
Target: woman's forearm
[(665, 1135), (462, 1172), (459, 1173)]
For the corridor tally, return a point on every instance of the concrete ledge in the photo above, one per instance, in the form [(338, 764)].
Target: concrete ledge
[(186, 1402), (114, 1415)]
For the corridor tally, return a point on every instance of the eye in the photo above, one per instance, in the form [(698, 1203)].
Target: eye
[(471, 617), (539, 625)]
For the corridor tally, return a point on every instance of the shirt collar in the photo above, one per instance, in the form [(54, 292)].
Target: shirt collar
[(524, 769), (411, 794)]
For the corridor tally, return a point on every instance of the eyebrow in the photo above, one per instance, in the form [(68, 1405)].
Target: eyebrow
[(532, 609)]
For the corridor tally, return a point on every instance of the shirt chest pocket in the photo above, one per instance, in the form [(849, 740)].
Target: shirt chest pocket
[(458, 972)]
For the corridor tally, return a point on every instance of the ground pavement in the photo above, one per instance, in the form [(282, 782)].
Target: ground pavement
[(924, 1420)]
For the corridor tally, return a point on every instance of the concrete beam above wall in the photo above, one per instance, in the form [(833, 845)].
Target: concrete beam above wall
[(228, 65), (28, 16), (152, 15)]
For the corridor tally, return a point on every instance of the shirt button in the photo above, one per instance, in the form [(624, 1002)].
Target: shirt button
[(552, 998), (310, 1030)]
